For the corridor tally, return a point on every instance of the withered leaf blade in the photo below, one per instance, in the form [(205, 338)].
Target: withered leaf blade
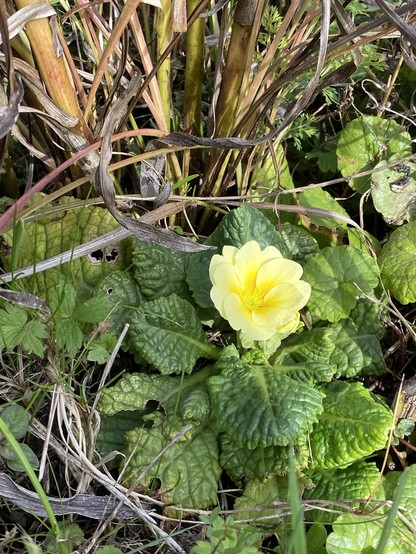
[(24, 299), (105, 187), (10, 113), (17, 21)]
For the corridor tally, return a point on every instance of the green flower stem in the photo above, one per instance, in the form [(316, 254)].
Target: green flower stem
[(15, 446)]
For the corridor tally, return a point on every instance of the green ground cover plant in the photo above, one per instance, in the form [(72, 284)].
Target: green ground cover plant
[(238, 378)]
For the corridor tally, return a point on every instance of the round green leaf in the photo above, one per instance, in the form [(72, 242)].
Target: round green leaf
[(398, 264), (394, 191), (338, 275), (17, 420), (366, 140), (319, 198)]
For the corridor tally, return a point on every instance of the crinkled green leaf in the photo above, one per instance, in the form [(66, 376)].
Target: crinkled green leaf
[(195, 403), (393, 192), (308, 372), (17, 420), (113, 428), (256, 405), (188, 470), (63, 231), (236, 229), (338, 276), (259, 462), (364, 141), (319, 198), (197, 277), (244, 224), (261, 492), (359, 480), (408, 498), (160, 271), (315, 345), (134, 390), (122, 293), (352, 425), (398, 263), (168, 334), (299, 242), (344, 348), (357, 346)]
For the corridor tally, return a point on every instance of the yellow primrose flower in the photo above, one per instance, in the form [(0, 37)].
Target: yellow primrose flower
[(258, 291)]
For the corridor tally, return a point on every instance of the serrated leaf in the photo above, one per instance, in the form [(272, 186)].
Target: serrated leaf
[(16, 329), (17, 420), (259, 462), (188, 470), (256, 405), (352, 425), (93, 310), (319, 198), (359, 480), (393, 192), (99, 349), (168, 334), (299, 242), (63, 300), (366, 140), (34, 337), (160, 271), (338, 276), (69, 336), (398, 264)]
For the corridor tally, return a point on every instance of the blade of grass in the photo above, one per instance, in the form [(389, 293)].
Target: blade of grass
[(390, 521), (298, 538), (15, 446)]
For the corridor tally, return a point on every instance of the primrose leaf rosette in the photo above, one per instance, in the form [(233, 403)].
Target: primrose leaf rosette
[(258, 291)]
